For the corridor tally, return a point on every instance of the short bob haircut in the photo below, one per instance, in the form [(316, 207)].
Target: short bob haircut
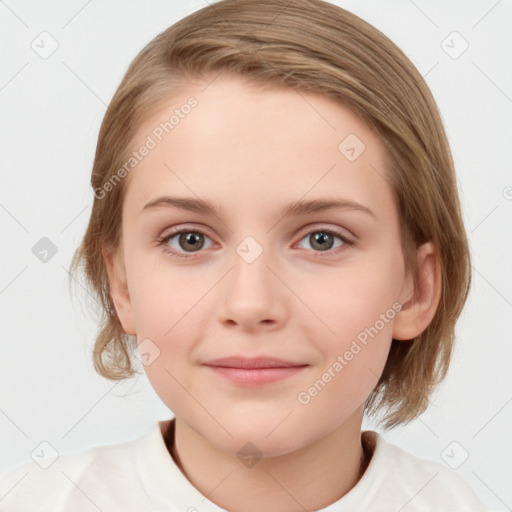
[(311, 46)]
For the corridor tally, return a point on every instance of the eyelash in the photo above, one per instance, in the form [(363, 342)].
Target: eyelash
[(347, 243)]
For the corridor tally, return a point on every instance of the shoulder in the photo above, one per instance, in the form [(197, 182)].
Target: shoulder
[(78, 481), (414, 483)]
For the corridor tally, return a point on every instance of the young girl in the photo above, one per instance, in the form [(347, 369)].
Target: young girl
[(302, 157)]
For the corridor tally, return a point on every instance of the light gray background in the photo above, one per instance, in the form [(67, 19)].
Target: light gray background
[(51, 111)]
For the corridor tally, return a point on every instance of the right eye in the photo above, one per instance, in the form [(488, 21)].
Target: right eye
[(181, 241)]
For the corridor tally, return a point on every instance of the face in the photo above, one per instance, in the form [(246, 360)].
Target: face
[(259, 276)]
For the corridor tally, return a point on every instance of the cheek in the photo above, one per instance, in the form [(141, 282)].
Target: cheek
[(169, 310), (164, 300), (355, 309), (352, 297)]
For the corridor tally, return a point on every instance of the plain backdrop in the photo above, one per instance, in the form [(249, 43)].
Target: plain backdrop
[(52, 107)]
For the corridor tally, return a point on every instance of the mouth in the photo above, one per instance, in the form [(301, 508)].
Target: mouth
[(254, 371)]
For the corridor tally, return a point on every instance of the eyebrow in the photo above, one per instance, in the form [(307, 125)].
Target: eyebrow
[(296, 208)]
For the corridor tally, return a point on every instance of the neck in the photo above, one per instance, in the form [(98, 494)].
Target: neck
[(309, 478)]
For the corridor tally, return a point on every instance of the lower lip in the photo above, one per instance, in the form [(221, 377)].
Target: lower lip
[(256, 376)]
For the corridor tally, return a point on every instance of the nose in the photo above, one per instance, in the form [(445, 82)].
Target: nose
[(252, 295)]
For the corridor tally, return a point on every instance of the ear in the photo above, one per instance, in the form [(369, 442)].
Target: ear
[(119, 289), (420, 302)]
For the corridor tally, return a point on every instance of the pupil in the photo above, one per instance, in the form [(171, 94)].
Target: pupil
[(323, 240), (192, 239)]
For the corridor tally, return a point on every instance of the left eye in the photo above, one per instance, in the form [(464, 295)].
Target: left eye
[(324, 240)]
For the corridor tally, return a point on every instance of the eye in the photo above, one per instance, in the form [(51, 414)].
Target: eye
[(186, 240), (324, 241)]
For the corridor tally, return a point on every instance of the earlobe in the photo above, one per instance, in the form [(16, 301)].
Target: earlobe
[(420, 301), (119, 289)]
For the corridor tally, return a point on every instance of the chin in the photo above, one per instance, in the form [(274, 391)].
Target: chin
[(260, 435)]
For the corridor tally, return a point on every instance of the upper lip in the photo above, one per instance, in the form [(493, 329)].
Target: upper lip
[(252, 362)]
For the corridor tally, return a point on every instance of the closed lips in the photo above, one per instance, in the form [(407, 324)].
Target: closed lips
[(253, 364)]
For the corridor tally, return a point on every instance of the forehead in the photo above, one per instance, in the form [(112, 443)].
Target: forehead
[(235, 142)]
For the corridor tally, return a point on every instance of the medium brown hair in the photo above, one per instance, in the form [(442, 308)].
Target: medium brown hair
[(316, 47)]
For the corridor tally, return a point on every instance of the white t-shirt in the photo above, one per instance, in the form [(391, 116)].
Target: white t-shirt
[(142, 476)]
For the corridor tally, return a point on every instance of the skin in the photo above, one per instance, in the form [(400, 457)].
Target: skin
[(251, 151)]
